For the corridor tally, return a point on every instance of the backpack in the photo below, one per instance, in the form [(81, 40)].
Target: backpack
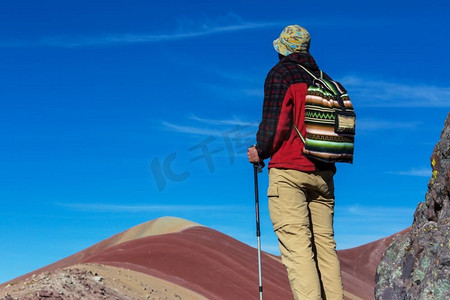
[(329, 120)]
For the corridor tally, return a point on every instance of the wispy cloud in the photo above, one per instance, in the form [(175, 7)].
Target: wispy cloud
[(146, 38), (238, 126), (191, 129), (105, 207), (369, 223), (234, 121), (381, 93), (376, 211), (372, 216), (377, 124), (422, 172), (187, 30)]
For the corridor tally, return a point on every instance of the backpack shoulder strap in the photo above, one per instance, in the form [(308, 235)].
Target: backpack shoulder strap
[(324, 82), (331, 86), (299, 134), (310, 73)]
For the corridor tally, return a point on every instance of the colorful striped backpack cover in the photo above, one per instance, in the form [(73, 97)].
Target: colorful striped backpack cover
[(329, 120)]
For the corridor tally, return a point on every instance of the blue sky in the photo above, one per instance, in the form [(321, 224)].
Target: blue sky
[(108, 110)]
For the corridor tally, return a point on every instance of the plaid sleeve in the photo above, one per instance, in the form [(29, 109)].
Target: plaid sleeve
[(275, 88)]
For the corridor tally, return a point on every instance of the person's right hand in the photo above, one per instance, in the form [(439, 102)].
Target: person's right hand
[(253, 155)]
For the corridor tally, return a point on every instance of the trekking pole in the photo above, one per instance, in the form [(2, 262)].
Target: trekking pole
[(257, 168)]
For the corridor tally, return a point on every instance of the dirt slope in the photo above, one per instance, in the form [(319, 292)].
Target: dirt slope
[(171, 258)]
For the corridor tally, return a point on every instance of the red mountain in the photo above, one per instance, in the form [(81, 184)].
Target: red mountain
[(171, 258)]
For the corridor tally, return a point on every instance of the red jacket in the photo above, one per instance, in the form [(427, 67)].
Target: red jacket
[(284, 104)]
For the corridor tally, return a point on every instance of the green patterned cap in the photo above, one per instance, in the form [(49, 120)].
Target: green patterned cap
[(293, 38)]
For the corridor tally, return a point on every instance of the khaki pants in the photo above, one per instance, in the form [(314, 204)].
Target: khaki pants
[(301, 207)]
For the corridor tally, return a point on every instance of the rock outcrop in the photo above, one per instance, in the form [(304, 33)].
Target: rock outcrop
[(417, 265)]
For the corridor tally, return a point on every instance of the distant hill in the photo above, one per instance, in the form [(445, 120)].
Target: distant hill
[(172, 258)]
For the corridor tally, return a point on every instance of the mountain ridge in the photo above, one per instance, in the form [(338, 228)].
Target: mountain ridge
[(192, 258)]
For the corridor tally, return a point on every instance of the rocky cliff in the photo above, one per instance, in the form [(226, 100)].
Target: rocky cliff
[(417, 264)]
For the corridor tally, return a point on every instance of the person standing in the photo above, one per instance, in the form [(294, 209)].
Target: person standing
[(301, 189)]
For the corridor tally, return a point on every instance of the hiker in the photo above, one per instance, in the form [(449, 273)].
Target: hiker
[(301, 190)]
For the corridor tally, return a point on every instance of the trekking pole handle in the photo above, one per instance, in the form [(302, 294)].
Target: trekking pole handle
[(260, 165)]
